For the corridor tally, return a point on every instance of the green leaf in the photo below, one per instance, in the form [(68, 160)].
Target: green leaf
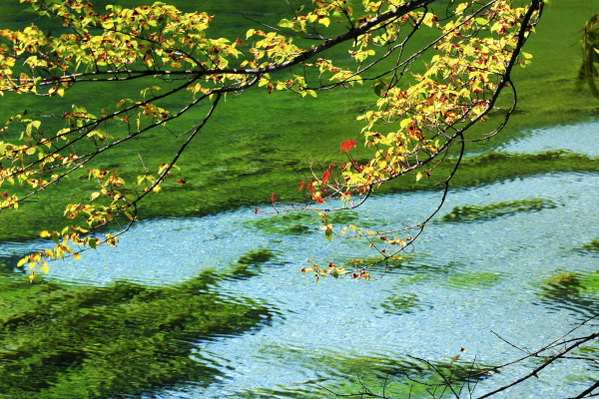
[(329, 234), (379, 87)]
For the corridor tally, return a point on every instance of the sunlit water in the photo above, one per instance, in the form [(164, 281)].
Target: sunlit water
[(466, 280)]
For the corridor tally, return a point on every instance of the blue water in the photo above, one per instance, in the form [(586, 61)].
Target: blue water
[(465, 279)]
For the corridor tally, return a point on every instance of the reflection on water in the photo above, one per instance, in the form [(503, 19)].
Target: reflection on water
[(461, 281)]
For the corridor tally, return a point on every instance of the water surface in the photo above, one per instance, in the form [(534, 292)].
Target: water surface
[(461, 281)]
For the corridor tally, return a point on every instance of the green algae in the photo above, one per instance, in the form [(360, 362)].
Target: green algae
[(411, 270), (591, 246), (403, 303), (413, 378), (61, 341), (575, 291), (497, 166), (492, 167), (353, 376), (154, 348), (295, 223), (256, 257), (472, 213), (249, 264), (246, 154), (299, 223), (473, 280)]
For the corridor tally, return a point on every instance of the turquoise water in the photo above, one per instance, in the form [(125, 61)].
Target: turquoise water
[(580, 139), (459, 282)]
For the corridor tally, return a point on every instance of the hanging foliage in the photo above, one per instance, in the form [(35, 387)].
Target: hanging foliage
[(427, 97)]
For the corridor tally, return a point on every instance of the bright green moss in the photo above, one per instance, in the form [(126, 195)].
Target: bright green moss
[(298, 223), (245, 154), (573, 291), (473, 280), (249, 264), (63, 342), (472, 213), (403, 303), (353, 376)]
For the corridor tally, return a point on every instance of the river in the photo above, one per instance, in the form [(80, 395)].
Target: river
[(463, 280), (513, 258)]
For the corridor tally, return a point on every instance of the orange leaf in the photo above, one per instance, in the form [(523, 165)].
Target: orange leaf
[(347, 146)]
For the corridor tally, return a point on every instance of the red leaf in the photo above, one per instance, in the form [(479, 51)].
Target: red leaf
[(4, 194), (301, 187), (327, 174), (347, 146), (181, 181)]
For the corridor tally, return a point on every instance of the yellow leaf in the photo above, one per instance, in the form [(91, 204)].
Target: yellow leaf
[(94, 195), (429, 19), (405, 123), (497, 27), (325, 21), (460, 9), (130, 216)]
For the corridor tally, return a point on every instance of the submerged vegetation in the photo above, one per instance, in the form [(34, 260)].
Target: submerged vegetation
[(60, 341), (406, 377), (403, 303), (298, 223), (74, 342), (494, 166), (574, 291), (250, 263), (592, 246), (473, 213)]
